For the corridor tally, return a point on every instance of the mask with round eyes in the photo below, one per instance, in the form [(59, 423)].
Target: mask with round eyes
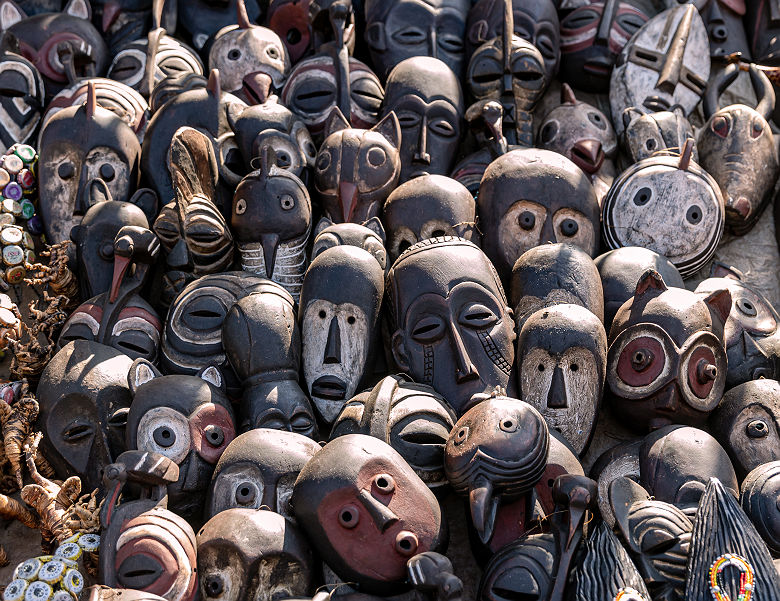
[(403, 29), (747, 422), (667, 361), (84, 399), (94, 238), (187, 419), (339, 317), (651, 134), (760, 494), (620, 270), (530, 197), (723, 20), (366, 512), (751, 328), (606, 571), (203, 19), (737, 146), (319, 83), (676, 462), (251, 60), (48, 39), (192, 337), (271, 220), (523, 569), (194, 235), (370, 237), (495, 454), (592, 36), (667, 62), (356, 169), (658, 537), (22, 102), (270, 560), (429, 206), (84, 148), (425, 95), (258, 469), (411, 418), (561, 362), (265, 323), (669, 205), (555, 274), (450, 323), (729, 561), (290, 20)]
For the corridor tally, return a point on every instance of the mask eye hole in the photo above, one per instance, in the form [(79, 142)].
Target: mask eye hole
[(720, 126), (642, 197), (246, 492), (349, 516), (384, 484), (746, 307), (214, 435), (694, 215), (234, 54), (164, 436), (757, 429), (527, 220), (462, 435)]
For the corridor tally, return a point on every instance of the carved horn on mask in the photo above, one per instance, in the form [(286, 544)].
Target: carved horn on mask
[(716, 87), (765, 94)]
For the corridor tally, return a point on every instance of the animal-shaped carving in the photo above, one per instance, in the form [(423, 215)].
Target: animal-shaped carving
[(356, 169), (660, 132), (370, 236)]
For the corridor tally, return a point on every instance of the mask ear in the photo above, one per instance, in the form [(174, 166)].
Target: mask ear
[(10, 14), (213, 376), (623, 493), (629, 115), (146, 200), (650, 282), (375, 225), (141, 372), (390, 129), (721, 270), (719, 303), (80, 9), (399, 351), (321, 225), (336, 122), (375, 36)]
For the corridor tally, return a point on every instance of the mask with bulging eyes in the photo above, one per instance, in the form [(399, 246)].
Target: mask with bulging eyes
[(429, 206), (356, 169), (666, 63), (22, 102), (251, 60), (661, 132), (760, 492), (185, 418), (751, 328), (258, 469), (530, 197), (263, 344), (88, 155), (84, 400), (411, 418), (676, 462), (366, 512), (667, 361), (669, 205), (270, 560), (450, 324), (319, 83), (592, 36), (747, 422), (658, 536), (522, 569), (561, 364), (370, 236), (339, 317), (426, 96)]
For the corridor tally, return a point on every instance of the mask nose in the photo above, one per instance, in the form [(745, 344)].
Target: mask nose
[(421, 155), (669, 76), (179, 257), (333, 344), (190, 472), (465, 370), (556, 396), (381, 514)]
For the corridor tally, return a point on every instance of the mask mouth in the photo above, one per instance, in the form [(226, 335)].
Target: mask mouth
[(330, 388), (656, 104), (598, 66)]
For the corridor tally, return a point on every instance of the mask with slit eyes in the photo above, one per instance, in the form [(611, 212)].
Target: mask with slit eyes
[(666, 362), (412, 418), (747, 422), (87, 155), (426, 97), (669, 205), (751, 329), (185, 418), (530, 197), (366, 512), (270, 560), (450, 324), (84, 400), (403, 29), (263, 344), (258, 469), (429, 206), (370, 237), (22, 102), (666, 63), (339, 317), (760, 492), (561, 362), (657, 535), (676, 462), (522, 569)]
